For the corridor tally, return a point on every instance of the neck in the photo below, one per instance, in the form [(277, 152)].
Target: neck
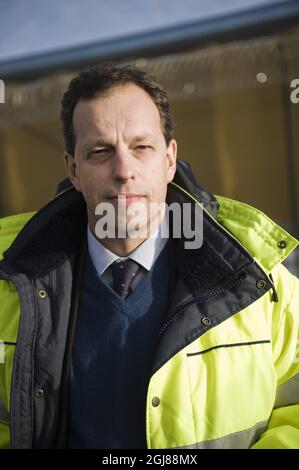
[(124, 246), (121, 247)]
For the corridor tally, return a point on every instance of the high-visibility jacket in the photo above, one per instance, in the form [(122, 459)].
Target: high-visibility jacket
[(226, 370)]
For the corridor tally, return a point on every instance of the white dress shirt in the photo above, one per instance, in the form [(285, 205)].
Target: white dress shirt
[(145, 254)]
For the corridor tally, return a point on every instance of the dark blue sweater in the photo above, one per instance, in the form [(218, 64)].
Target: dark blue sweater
[(113, 351)]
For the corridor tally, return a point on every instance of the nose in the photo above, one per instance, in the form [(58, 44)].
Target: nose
[(123, 164)]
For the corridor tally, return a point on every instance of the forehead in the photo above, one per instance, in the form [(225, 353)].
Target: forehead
[(125, 107)]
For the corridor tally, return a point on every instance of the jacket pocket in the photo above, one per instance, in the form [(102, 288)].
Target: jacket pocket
[(233, 387), (228, 345)]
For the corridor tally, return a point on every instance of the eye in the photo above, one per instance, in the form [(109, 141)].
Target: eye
[(99, 152), (143, 147)]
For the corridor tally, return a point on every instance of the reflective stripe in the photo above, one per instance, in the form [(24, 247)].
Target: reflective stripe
[(4, 415), (288, 393), (237, 440)]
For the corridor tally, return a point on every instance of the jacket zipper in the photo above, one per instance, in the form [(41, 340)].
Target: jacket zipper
[(202, 299), (61, 436)]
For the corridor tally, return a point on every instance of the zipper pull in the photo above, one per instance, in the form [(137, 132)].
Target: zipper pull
[(274, 295)]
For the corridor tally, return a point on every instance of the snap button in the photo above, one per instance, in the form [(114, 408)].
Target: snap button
[(39, 393), (156, 401), (260, 284), (42, 294), (282, 244), (206, 321)]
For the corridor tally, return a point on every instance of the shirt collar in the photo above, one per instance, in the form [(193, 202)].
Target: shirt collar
[(145, 254)]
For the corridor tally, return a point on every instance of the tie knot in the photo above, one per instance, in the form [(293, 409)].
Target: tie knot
[(123, 274)]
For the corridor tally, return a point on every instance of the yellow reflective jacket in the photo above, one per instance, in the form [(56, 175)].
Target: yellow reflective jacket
[(226, 372)]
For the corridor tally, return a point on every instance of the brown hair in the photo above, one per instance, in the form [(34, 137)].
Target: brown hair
[(98, 79)]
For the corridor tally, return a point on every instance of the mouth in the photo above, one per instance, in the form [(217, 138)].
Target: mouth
[(126, 199)]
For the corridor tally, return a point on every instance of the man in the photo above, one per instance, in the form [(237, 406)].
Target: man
[(197, 348)]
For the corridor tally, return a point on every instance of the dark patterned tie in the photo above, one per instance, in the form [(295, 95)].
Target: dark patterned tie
[(123, 273)]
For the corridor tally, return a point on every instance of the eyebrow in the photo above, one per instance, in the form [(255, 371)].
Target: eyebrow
[(144, 136)]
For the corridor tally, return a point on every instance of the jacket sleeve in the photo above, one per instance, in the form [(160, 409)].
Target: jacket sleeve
[(283, 427), (9, 326)]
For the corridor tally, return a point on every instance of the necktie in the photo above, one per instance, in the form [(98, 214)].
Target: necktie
[(123, 273)]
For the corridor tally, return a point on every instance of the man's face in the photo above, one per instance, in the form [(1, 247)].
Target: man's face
[(120, 150)]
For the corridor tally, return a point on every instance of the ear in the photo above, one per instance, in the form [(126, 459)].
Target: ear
[(71, 168), (171, 160)]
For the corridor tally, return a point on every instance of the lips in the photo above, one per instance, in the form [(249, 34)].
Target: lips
[(126, 198)]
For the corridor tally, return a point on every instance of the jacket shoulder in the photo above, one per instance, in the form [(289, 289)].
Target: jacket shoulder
[(266, 241), (10, 227)]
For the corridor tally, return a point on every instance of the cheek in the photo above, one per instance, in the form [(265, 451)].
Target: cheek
[(90, 186), (158, 169), (159, 185)]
